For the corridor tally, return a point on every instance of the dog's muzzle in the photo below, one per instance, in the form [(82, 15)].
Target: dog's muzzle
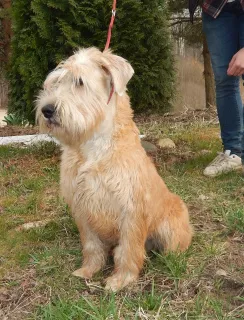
[(48, 111)]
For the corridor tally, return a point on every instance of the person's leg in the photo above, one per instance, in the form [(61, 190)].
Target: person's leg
[(241, 43), (222, 36)]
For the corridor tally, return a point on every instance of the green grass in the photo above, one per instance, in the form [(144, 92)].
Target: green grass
[(206, 282), (235, 220)]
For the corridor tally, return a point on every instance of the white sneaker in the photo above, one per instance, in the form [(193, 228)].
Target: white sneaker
[(224, 162)]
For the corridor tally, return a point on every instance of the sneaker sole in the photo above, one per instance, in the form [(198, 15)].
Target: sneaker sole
[(223, 172)]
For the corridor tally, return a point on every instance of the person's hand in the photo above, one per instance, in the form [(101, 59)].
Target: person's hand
[(236, 66)]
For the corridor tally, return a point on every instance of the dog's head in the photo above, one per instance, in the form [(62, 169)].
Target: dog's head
[(74, 100)]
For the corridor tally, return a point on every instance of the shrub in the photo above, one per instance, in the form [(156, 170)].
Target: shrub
[(47, 31)]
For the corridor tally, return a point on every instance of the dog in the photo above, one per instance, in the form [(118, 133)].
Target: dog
[(116, 197)]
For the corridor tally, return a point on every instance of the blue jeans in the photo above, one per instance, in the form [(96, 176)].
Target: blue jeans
[(225, 36)]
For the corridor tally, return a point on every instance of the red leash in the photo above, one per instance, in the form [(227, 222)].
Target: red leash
[(111, 25), (108, 43)]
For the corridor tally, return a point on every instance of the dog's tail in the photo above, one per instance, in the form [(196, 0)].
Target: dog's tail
[(174, 232)]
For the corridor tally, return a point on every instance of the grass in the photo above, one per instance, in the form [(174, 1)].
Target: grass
[(206, 282)]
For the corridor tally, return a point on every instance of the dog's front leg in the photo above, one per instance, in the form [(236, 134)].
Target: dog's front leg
[(94, 251), (129, 255)]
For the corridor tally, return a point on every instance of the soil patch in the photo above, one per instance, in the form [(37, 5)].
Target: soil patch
[(187, 116), (8, 131)]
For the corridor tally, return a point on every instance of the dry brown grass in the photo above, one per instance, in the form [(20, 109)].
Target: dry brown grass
[(190, 84)]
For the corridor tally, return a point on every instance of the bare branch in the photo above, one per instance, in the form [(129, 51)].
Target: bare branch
[(180, 20)]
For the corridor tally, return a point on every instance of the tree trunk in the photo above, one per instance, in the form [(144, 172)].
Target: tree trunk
[(208, 76), (7, 32)]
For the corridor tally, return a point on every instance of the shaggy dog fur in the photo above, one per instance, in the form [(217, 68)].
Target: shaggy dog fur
[(116, 196)]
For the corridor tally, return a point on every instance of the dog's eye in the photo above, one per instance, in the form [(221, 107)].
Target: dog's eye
[(80, 82)]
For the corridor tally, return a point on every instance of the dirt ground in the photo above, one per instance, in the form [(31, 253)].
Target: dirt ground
[(187, 116), (17, 131)]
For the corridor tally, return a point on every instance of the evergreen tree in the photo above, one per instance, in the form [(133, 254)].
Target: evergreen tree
[(47, 31)]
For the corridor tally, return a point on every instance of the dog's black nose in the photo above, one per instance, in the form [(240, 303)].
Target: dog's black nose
[(48, 111)]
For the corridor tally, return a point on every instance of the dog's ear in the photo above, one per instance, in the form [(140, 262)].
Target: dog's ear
[(119, 69)]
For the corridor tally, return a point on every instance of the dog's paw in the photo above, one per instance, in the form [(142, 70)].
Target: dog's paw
[(113, 284), (83, 273), (119, 281)]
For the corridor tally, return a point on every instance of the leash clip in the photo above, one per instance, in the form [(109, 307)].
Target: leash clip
[(113, 12)]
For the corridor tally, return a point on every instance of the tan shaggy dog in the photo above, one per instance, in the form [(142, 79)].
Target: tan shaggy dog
[(116, 196)]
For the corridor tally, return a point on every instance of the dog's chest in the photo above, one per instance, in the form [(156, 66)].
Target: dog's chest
[(70, 163), (88, 189)]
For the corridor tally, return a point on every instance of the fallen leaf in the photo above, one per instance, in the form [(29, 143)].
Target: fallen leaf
[(221, 273)]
